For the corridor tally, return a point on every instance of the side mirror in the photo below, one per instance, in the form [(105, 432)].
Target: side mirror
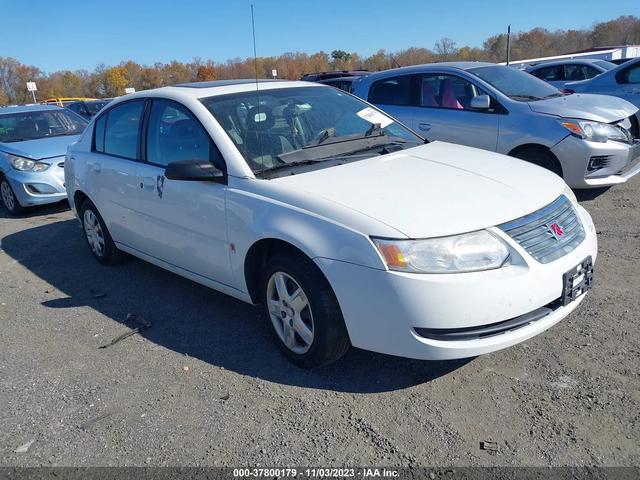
[(193, 170), (481, 102)]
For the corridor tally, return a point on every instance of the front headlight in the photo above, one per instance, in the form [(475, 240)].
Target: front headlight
[(469, 252), (26, 165), (596, 131)]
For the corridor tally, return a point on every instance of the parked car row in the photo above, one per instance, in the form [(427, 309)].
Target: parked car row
[(559, 72), (589, 140), (328, 210), (592, 76)]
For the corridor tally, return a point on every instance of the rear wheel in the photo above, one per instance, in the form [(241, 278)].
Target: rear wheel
[(541, 157), (303, 312), (9, 198), (97, 236)]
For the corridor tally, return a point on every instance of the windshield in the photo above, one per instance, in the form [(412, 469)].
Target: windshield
[(606, 65), (290, 126), (516, 84), (18, 127)]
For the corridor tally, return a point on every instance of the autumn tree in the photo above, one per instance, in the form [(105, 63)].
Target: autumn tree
[(115, 81)]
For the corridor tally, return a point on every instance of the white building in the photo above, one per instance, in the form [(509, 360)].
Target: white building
[(616, 54)]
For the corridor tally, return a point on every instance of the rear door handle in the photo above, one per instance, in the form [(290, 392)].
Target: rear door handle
[(425, 127)]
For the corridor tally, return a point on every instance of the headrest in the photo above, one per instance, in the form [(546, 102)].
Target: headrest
[(259, 119)]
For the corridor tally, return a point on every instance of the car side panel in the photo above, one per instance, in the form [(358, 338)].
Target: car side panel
[(523, 127), (252, 217)]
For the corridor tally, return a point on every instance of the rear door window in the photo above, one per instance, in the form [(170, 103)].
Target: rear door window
[(122, 129), (575, 72), (550, 74), (630, 75), (391, 91)]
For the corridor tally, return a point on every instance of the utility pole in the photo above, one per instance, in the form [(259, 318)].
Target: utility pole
[(508, 43)]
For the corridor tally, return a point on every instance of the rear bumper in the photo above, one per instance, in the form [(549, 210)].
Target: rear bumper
[(387, 311), (621, 162)]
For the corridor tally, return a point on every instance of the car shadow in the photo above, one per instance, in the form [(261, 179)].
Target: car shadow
[(587, 194), (194, 320), (38, 211)]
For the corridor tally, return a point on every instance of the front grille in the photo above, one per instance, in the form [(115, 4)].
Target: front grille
[(635, 127), (539, 235)]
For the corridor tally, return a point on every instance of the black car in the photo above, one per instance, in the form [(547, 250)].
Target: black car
[(318, 76), (343, 83), (88, 108)]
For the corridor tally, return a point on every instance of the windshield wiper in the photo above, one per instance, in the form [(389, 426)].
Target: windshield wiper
[(339, 147), (554, 95), (526, 97), (62, 134), (375, 128), (326, 133)]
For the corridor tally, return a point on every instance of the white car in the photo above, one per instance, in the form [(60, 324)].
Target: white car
[(341, 222)]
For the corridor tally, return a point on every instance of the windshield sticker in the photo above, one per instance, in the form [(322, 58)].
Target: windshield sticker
[(373, 116)]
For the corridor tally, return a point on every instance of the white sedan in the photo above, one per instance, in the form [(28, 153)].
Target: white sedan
[(338, 220)]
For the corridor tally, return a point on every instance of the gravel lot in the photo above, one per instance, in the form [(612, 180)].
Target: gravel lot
[(205, 385)]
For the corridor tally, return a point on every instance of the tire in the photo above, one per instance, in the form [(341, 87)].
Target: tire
[(325, 338), (97, 235), (9, 198), (541, 157)]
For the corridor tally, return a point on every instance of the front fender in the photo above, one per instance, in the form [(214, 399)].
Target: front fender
[(252, 217), (528, 128)]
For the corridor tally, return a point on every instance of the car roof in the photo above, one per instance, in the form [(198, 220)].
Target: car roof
[(198, 90), (553, 63), (431, 66), (224, 83), (28, 108)]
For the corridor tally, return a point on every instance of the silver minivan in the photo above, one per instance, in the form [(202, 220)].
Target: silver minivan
[(590, 140)]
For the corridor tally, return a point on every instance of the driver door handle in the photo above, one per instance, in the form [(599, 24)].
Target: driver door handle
[(425, 127), (148, 183)]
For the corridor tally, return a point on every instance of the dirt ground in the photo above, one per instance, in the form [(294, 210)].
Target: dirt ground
[(205, 384)]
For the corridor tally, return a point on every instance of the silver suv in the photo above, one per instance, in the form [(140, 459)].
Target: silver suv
[(589, 140)]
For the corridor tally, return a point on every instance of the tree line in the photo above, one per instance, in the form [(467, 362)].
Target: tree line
[(110, 81)]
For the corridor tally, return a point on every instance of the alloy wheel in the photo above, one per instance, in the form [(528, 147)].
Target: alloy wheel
[(7, 195), (290, 312)]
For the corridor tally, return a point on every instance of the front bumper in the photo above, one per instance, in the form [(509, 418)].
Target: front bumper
[(383, 309), (621, 160), (39, 188)]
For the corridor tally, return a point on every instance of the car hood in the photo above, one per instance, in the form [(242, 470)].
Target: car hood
[(599, 108), (40, 148), (434, 190)]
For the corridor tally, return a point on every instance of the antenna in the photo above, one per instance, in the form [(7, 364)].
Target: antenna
[(509, 44), (395, 61), (255, 55), (255, 68)]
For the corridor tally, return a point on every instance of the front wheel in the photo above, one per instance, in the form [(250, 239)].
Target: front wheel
[(541, 157), (9, 198), (303, 311), (97, 236)]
